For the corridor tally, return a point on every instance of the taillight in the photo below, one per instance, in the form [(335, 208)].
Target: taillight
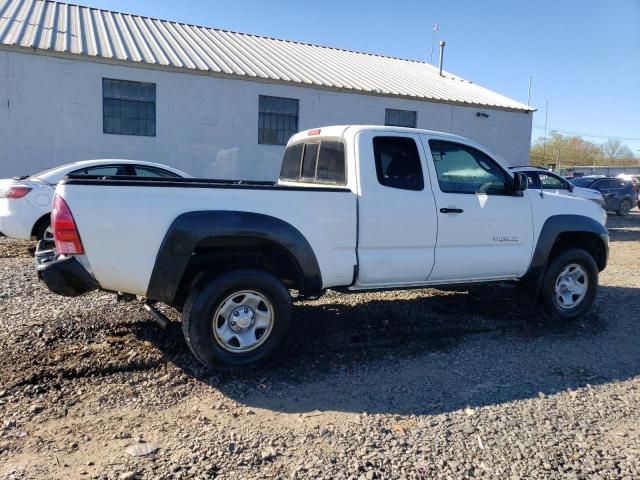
[(65, 232), (16, 191)]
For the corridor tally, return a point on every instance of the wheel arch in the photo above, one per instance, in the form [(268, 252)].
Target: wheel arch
[(39, 222), (199, 245), (558, 233)]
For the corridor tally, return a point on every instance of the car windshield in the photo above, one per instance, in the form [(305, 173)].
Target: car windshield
[(581, 181)]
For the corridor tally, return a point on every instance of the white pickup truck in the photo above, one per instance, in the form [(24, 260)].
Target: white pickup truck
[(355, 208)]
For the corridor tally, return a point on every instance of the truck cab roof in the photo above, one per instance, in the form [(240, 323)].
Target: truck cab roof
[(344, 130)]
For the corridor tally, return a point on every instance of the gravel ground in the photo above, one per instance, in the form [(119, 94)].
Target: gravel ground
[(407, 384)]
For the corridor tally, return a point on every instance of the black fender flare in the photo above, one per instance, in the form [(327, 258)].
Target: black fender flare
[(529, 285), (189, 229)]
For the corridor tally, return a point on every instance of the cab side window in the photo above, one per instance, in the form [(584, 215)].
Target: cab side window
[(398, 163), (463, 169)]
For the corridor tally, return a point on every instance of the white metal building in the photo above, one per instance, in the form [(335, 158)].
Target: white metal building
[(80, 83)]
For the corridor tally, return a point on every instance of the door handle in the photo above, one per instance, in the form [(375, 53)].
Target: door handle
[(451, 210)]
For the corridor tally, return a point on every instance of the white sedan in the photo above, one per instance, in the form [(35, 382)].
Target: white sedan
[(543, 179), (26, 202)]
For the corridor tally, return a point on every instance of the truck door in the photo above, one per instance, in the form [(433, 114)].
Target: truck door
[(397, 215), (484, 231)]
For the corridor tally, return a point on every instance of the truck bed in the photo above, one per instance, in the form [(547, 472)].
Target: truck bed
[(123, 220)]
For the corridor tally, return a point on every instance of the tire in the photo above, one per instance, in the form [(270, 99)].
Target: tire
[(624, 208), (43, 232), (558, 292), (228, 340)]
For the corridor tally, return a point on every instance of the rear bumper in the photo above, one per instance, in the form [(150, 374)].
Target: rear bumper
[(62, 275)]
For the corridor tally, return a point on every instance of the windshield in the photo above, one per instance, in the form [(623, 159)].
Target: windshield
[(581, 181)]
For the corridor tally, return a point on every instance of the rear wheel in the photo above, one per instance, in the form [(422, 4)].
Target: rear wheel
[(45, 231), (570, 284), (237, 319), (624, 208)]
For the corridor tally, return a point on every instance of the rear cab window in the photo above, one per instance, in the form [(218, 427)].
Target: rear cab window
[(317, 161)]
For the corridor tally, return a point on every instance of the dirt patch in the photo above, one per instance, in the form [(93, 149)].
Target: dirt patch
[(10, 248)]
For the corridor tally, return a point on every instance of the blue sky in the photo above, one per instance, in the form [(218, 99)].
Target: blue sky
[(584, 56)]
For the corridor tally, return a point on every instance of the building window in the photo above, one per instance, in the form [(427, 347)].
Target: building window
[(128, 108), (277, 120), (400, 118)]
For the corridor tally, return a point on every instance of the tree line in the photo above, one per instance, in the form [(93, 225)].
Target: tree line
[(573, 150)]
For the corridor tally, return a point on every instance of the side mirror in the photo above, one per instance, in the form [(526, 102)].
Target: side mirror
[(570, 186), (520, 182)]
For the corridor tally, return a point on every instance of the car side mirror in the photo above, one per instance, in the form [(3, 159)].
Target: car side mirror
[(520, 182), (570, 186)]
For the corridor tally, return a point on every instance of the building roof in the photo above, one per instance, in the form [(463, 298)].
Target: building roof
[(73, 30)]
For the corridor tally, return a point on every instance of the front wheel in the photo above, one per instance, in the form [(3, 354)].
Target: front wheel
[(239, 318), (570, 284)]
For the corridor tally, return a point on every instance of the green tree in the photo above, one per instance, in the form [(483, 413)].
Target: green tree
[(573, 150), (567, 150)]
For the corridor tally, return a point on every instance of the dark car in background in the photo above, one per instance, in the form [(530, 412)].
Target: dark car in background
[(633, 178), (619, 195)]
